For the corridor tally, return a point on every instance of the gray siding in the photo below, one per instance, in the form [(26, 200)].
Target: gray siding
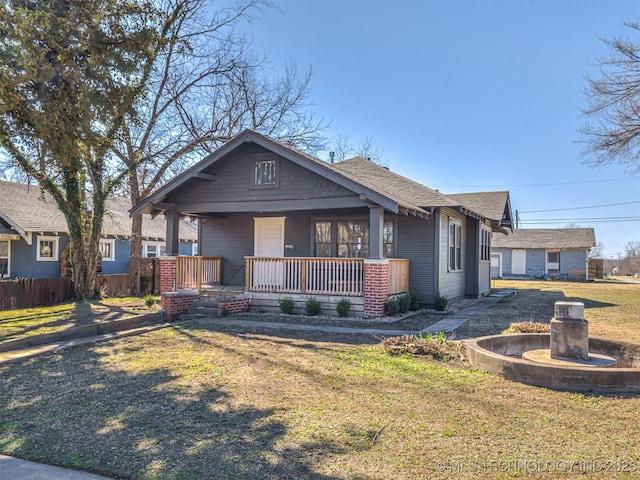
[(536, 261), (472, 252), (451, 283), (416, 242), (234, 182)]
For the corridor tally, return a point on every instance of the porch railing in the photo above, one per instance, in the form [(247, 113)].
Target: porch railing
[(198, 272), (305, 275), (398, 275)]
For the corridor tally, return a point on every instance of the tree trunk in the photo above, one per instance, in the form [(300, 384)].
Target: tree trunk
[(136, 254)]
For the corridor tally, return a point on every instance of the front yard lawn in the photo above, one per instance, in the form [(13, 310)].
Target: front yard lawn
[(192, 401)]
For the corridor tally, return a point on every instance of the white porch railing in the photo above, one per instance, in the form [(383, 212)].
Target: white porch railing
[(196, 272), (398, 276), (305, 275)]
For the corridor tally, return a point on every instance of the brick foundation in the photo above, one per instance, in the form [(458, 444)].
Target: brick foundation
[(233, 305), (175, 303), (376, 286), (167, 274)]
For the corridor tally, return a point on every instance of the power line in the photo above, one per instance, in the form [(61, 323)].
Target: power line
[(536, 184), (580, 208)]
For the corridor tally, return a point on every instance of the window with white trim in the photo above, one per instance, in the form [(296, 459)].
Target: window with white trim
[(194, 249), (4, 259), (153, 249), (47, 248), (455, 246), (485, 245), (108, 249)]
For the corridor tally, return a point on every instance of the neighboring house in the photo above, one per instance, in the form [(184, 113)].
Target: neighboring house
[(34, 234), (270, 209), (535, 253)]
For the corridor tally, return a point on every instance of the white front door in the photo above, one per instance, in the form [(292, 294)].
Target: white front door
[(518, 262), (268, 241), (268, 238)]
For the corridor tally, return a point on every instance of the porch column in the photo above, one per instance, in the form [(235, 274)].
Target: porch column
[(173, 227), (376, 285), (167, 274), (376, 225)]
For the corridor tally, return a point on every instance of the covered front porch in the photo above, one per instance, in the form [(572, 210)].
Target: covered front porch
[(368, 282)]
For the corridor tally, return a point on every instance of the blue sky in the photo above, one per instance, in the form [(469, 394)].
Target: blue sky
[(467, 95)]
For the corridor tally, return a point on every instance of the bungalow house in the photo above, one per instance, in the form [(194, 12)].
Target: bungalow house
[(280, 222), (33, 234), (537, 253)]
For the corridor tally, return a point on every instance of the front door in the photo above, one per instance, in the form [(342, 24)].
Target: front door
[(518, 262), (553, 263), (268, 241)]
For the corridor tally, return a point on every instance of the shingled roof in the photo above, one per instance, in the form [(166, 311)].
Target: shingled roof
[(556, 238), (26, 208)]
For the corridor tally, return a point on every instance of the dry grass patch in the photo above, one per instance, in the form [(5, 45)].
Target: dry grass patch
[(439, 347), (528, 327), (34, 321)]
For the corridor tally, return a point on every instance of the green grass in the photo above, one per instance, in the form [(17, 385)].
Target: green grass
[(195, 402), (34, 321)]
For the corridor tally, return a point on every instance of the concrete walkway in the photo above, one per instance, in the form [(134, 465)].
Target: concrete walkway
[(14, 468)]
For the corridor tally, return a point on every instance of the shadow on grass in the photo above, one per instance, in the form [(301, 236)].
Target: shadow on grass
[(83, 410)]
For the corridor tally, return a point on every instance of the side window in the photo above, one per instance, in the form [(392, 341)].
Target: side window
[(4, 258), (47, 249), (455, 246), (107, 250), (485, 245), (265, 173), (387, 239)]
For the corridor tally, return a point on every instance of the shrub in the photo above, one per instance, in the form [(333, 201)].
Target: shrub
[(403, 303), (313, 307), (437, 346), (441, 302), (149, 300), (528, 327), (343, 307), (286, 305), (414, 300), (391, 307)]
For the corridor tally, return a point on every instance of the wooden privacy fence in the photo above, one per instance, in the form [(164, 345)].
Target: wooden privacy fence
[(198, 272), (114, 285), (398, 275), (33, 292), (317, 276)]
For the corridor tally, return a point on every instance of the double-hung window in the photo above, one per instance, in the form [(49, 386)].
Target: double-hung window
[(47, 249), (107, 249), (153, 249), (4, 258), (455, 246), (485, 245)]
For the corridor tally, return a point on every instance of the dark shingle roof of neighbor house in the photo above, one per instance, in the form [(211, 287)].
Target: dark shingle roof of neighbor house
[(560, 238), (26, 208)]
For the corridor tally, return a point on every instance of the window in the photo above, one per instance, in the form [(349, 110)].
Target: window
[(47, 249), (353, 239), (455, 246), (265, 173), (485, 245), (4, 258), (108, 250), (153, 249), (194, 249), (387, 239), (323, 239)]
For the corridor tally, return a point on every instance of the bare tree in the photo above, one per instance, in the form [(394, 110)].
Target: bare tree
[(612, 133), (632, 249), (205, 88), (597, 251), (345, 147)]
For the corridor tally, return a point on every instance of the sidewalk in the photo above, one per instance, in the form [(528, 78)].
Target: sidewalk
[(16, 469)]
